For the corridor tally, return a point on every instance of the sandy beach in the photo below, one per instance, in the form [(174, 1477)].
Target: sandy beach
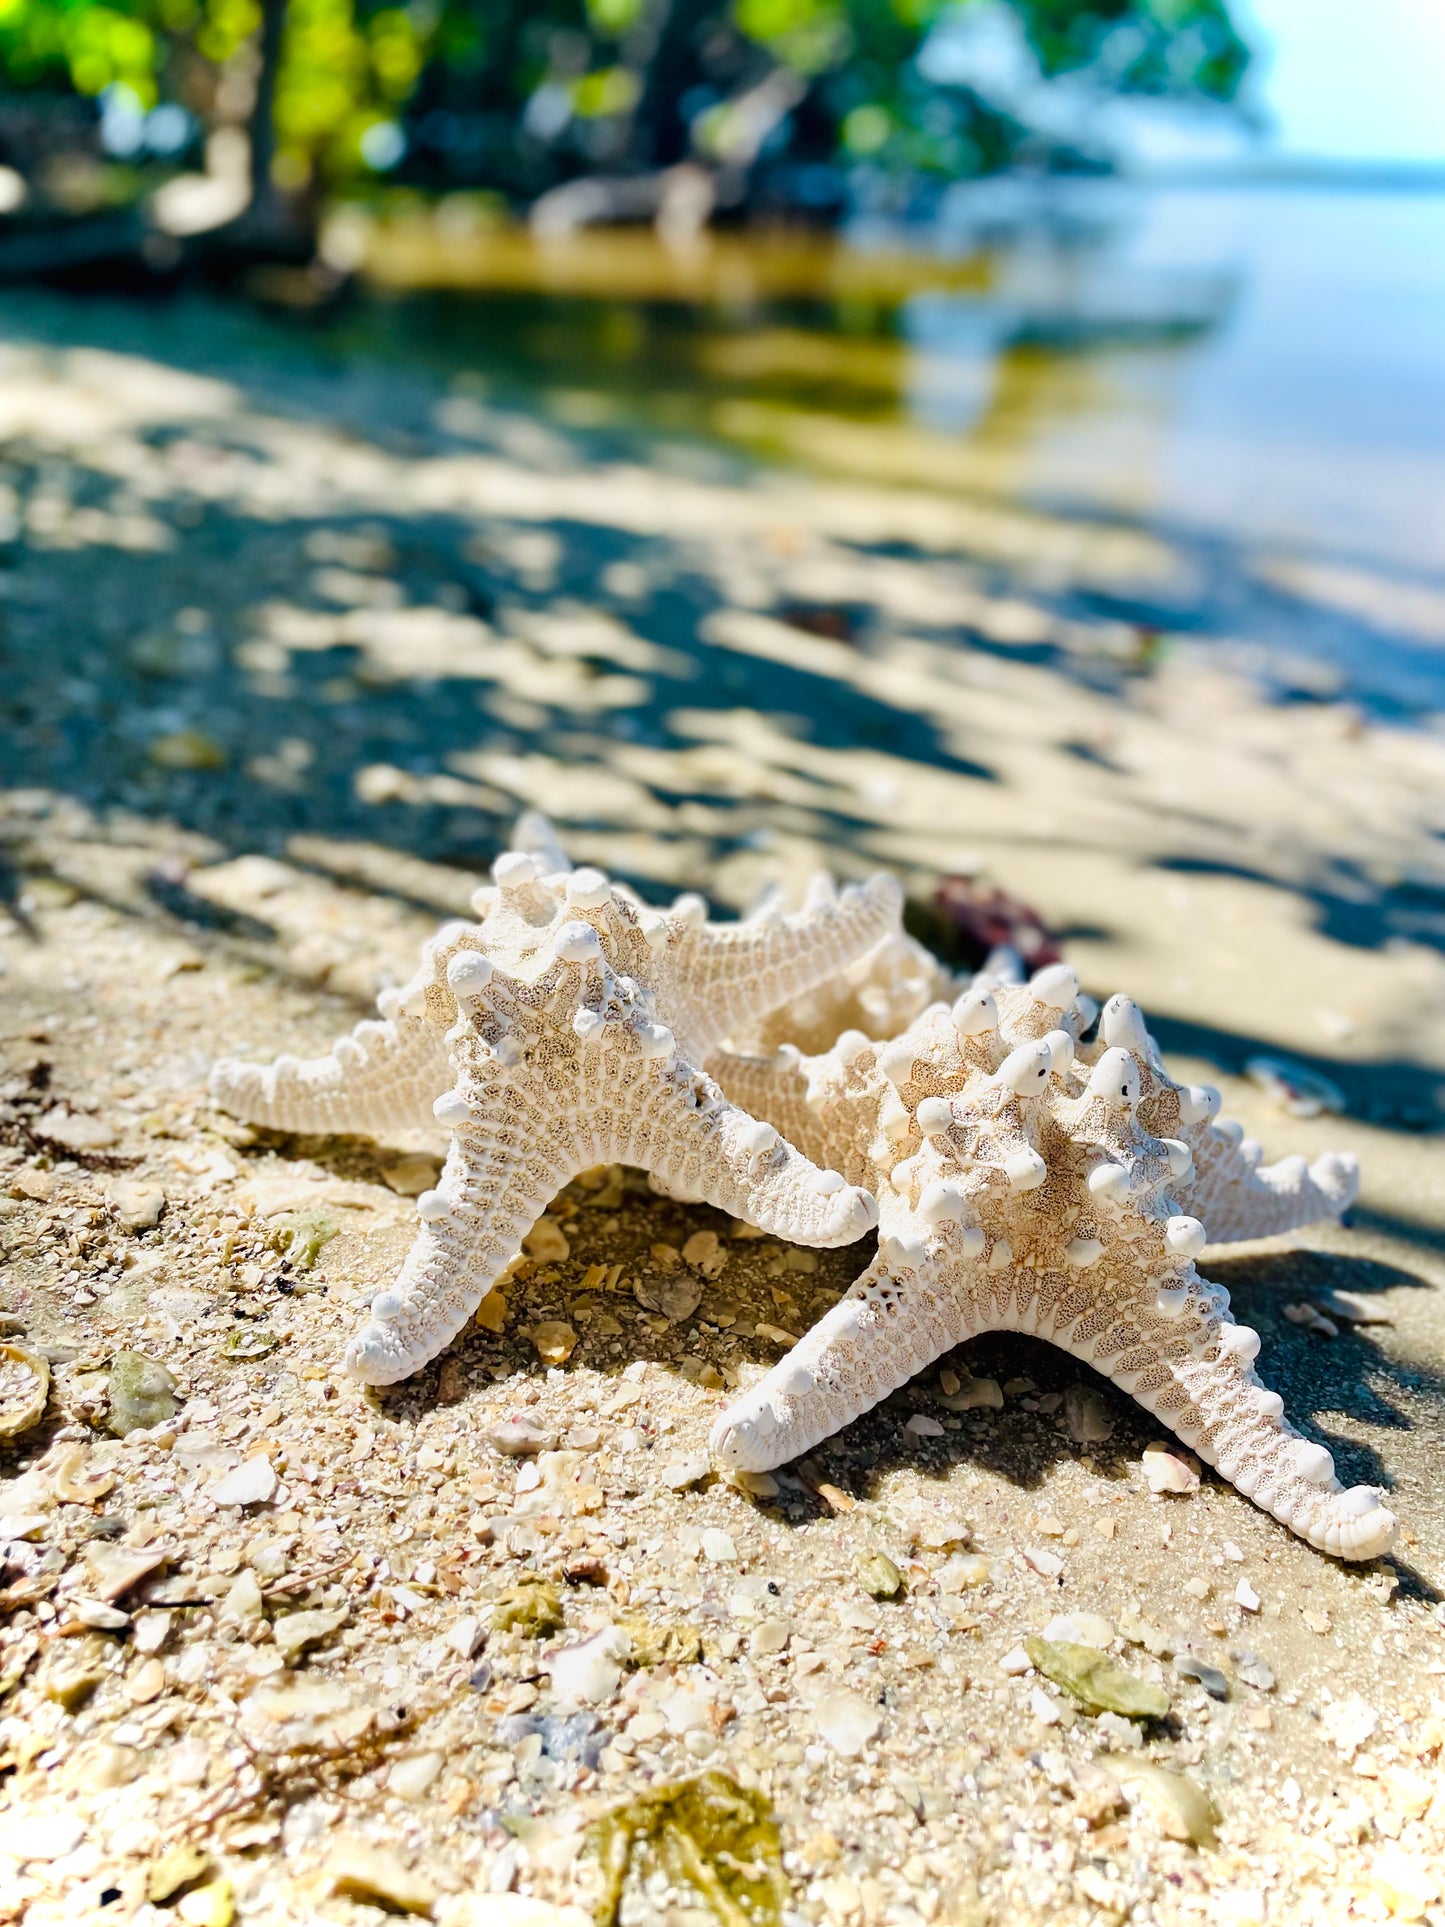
[(287, 642)]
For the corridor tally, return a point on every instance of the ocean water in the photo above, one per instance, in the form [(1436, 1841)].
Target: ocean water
[(1257, 372)]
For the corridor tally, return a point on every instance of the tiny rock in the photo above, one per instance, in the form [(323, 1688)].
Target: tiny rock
[(705, 1253), (769, 1636), (1190, 1666), (252, 1482), (683, 1473), (547, 1242), (1044, 1708), (95, 1613), (977, 1394), (519, 1439), (1087, 1417), (294, 1632), (1048, 1564), (1246, 1596), (357, 1870), (846, 1722), (242, 1604), (923, 1427), (146, 1682), (554, 1341), (963, 1572), (588, 1674), (936, 1534), (1181, 1806), (878, 1575), (410, 1176), (491, 1314), (1349, 1723), (672, 1298), (115, 1569), (1253, 1670), (413, 1776), (718, 1546), (137, 1207), (465, 1636), (1169, 1470)]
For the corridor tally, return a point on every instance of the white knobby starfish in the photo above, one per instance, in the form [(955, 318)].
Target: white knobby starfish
[(568, 1028), (1027, 1185)]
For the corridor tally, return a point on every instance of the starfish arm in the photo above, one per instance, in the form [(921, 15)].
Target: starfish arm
[(1235, 1423), (1237, 1197), (736, 973), (776, 1088), (514, 1149), (1230, 1189), (497, 1181), (704, 1147), (381, 1078), (896, 1319)]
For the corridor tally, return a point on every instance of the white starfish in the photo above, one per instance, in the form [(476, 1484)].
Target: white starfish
[(568, 1028), (1027, 1185)]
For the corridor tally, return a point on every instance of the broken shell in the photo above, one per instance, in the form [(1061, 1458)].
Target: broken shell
[(24, 1389), (73, 1485)]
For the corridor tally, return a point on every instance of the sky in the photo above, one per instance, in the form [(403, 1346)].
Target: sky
[(1351, 80)]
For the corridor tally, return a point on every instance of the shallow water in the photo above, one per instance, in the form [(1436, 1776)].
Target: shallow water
[(1255, 369)]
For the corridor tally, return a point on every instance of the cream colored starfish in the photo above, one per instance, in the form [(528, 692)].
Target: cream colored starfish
[(567, 1028), (1028, 1184)]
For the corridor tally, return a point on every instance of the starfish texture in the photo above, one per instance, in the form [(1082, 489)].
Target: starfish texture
[(568, 1027), (1029, 1182)]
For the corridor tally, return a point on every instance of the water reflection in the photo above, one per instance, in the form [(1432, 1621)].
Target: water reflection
[(1258, 365)]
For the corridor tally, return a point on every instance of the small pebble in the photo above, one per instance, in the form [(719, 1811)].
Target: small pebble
[(1044, 1707), (465, 1636), (145, 1683), (357, 1870), (705, 1253), (878, 1575), (963, 1572), (1167, 1469), (1253, 1670), (413, 1776), (547, 1242), (924, 1427), (589, 1674), (977, 1394), (519, 1439), (683, 1473), (846, 1723), (1188, 1666), (718, 1546), (1048, 1564), (252, 1482), (554, 1341), (294, 1632), (769, 1636)]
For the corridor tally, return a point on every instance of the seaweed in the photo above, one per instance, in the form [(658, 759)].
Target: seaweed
[(707, 1833)]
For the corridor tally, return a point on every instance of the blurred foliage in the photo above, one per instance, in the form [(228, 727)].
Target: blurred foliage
[(796, 95)]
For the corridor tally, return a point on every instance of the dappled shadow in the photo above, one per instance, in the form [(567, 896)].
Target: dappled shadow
[(1396, 1093), (266, 593), (1349, 907)]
